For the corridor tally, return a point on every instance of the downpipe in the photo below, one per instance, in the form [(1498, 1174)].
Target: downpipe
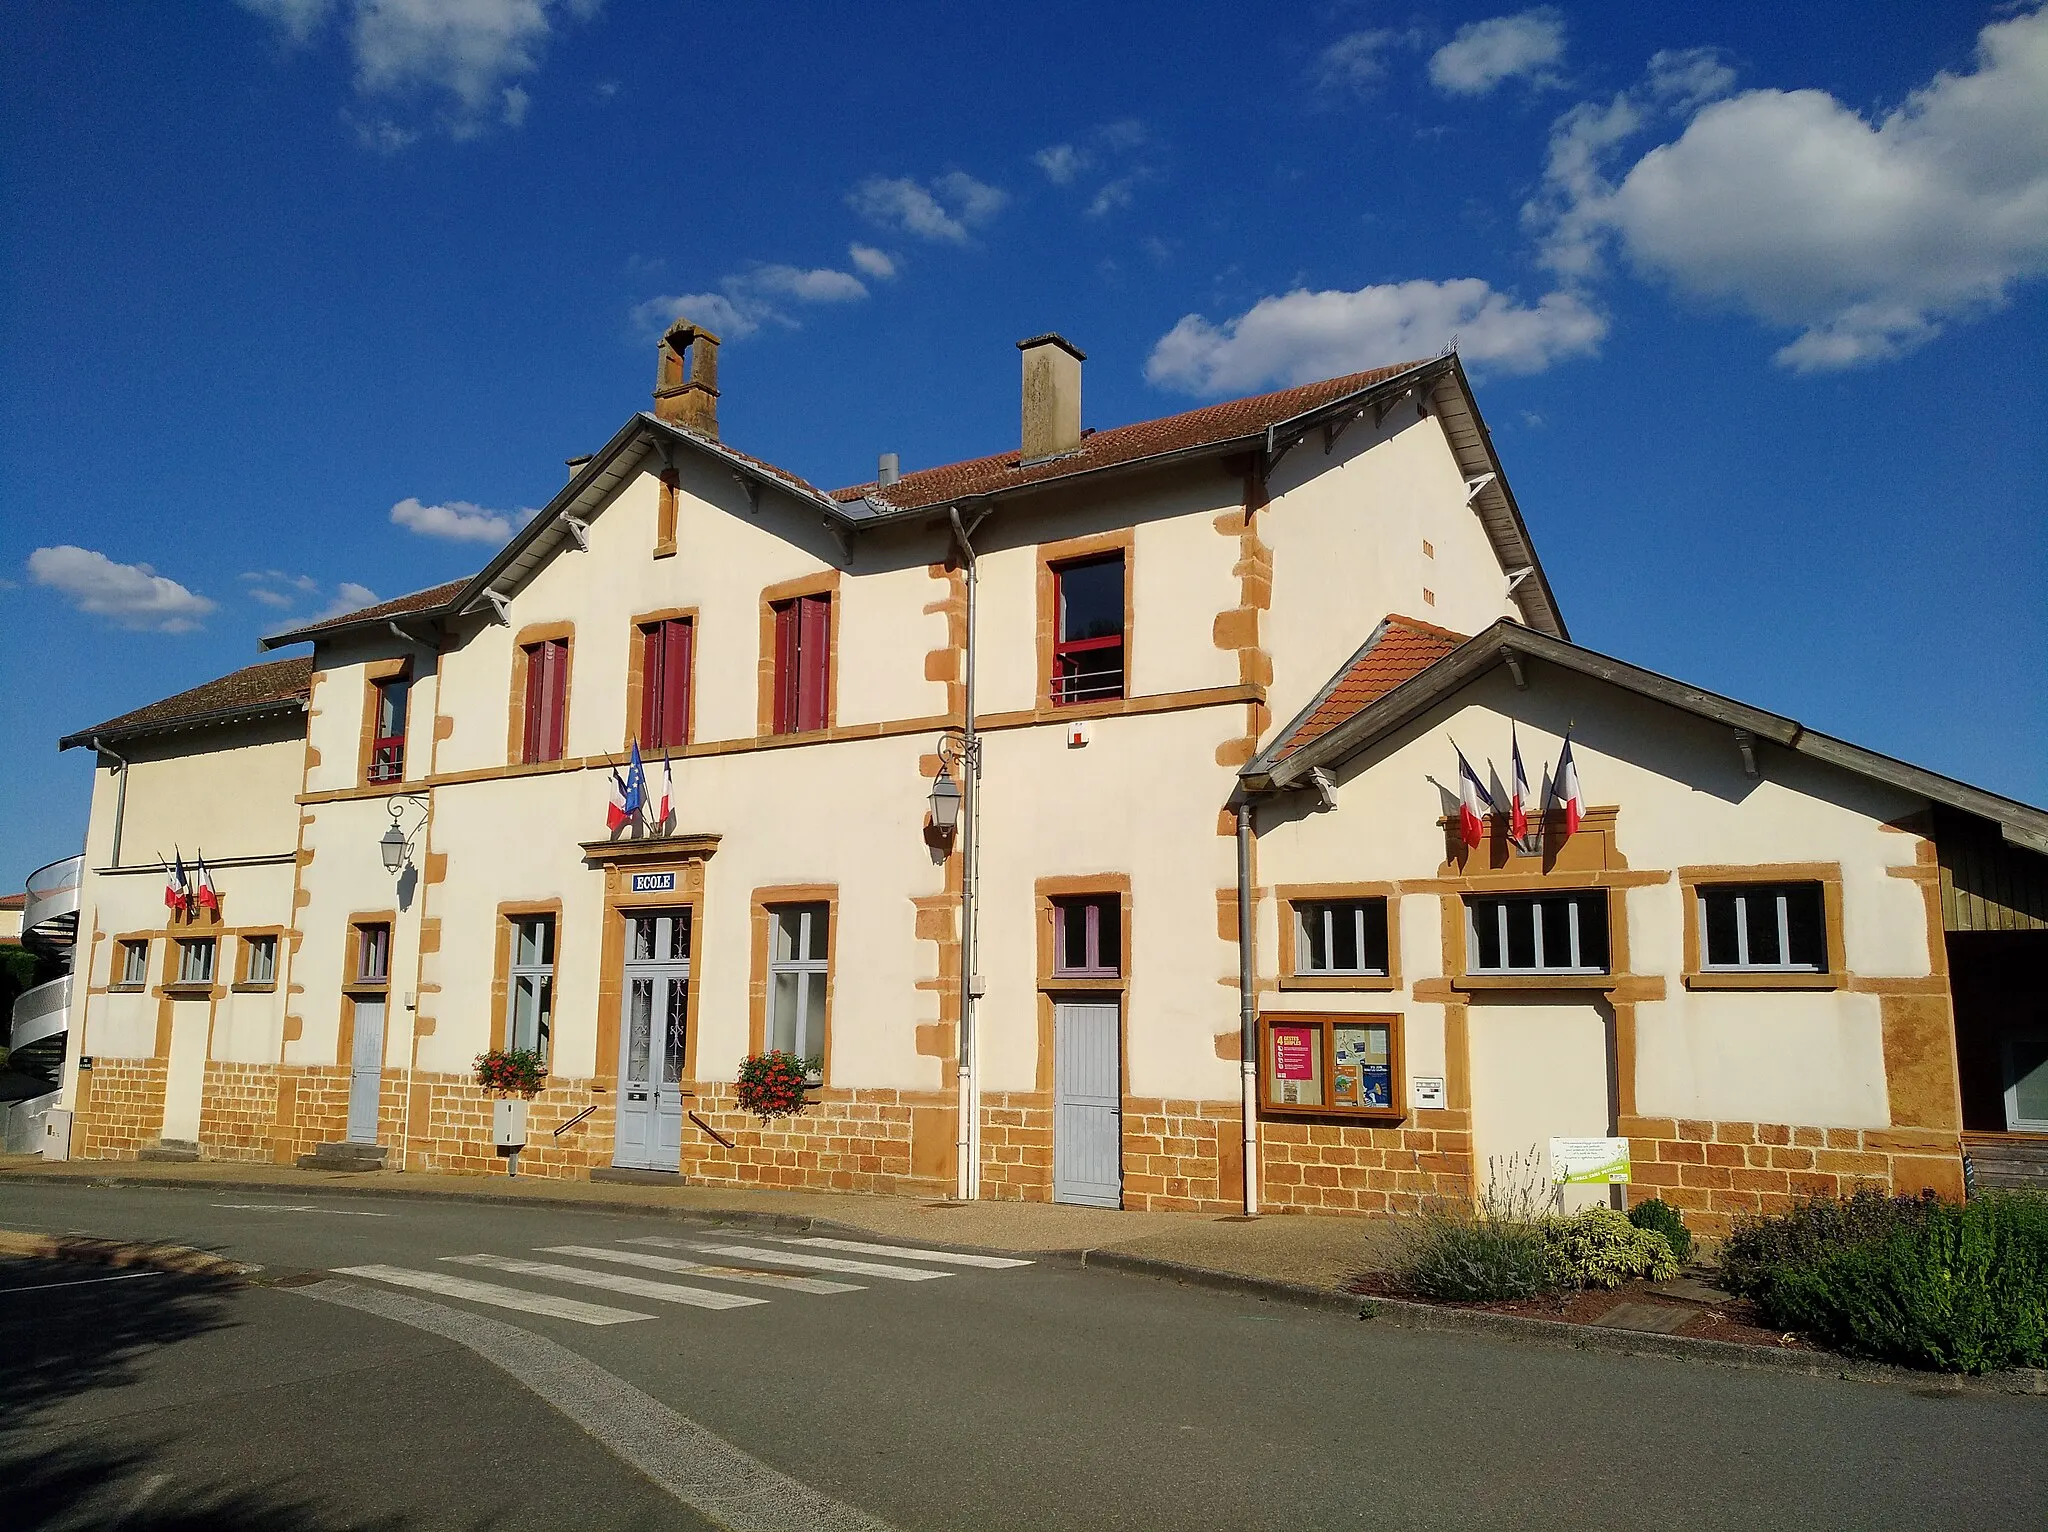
[(1248, 1009), (120, 796)]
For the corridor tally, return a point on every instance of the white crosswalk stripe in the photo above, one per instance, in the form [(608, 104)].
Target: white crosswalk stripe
[(901, 1252), (642, 1258), (615, 1281), (795, 1258), (498, 1297)]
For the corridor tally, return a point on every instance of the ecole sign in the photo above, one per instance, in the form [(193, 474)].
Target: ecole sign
[(654, 882)]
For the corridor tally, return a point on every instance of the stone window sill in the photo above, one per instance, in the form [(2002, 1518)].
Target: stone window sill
[(1764, 980), (1341, 981)]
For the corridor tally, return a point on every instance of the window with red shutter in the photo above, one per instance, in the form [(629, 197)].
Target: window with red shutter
[(547, 699), (665, 684), (803, 663), (387, 741), (1088, 645)]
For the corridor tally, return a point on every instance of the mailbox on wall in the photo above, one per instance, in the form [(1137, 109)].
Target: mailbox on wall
[(508, 1123)]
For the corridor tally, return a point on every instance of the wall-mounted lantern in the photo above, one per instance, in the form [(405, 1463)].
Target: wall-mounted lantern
[(395, 844), (945, 801)]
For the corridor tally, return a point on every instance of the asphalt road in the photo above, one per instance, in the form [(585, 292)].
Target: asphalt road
[(1035, 1396)]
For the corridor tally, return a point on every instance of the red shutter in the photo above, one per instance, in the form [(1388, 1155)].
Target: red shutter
[(786, 667), (650, 685), (530, 748), (675, 683), (557, 697), (814, 651)]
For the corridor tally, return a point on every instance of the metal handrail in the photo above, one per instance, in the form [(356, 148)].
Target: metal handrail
[(40, 1013), (68, 871), (565, 1127)]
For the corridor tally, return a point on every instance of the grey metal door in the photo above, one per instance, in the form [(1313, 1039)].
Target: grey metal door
[(652, 1035), (1087, 1112), (366, 1071)]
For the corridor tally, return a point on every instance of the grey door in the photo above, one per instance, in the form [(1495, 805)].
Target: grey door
[(366, 1070), (652, 1034), (1087, 1111)]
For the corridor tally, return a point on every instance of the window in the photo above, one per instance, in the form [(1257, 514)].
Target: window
[(1762, 927), (259, 960), (1088, 636), (797, 974), (195, 961), (387, 738), (134, 970), (1088, 937), (665, 683), (1330, 1064), (547, 699), (1339, 937), (1537, 933), (373, 954), (530, 1003), (803, 660)]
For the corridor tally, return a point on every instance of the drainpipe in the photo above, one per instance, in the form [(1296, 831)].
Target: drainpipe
[(967, 1140), (1248, 1009), (120, 796)]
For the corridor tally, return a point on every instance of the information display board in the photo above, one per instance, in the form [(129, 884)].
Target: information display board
[(1329, 1064)]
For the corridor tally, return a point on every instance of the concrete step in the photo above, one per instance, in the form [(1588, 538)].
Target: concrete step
[(344, 1156), (176, 1151), (618, 1175)]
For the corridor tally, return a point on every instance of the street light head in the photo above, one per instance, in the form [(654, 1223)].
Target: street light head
[(392, 845), (945, 801)]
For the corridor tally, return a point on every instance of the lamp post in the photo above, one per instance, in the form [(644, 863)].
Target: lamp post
[(953, 796)]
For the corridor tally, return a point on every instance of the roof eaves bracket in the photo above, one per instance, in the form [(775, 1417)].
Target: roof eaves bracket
[(751, 488), (1517, 576), (1510, 658), (1332, 429), (1474, 486), (501, 609), (1745, 743), (579, 531)]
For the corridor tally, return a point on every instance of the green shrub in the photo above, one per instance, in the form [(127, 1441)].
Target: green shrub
[(1962, 1287), (1666, 1220), (1476, 1259), (1760, 1249), (1600, 1247)]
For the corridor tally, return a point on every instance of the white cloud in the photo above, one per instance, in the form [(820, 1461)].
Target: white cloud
[(819, 286), (946, 211), (270, 597), (1483, 54), (457, 521), (133, 595), (716, 312), (466, 54), (297, 19), (1356, 62), (1868, 237), (1061, 163), (878, 264), (348, 597), (1303, 336), (1113, 195)]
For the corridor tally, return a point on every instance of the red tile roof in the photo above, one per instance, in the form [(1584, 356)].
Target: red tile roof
[(13, 901), (418, 601), (252, 688), (1229, 421), (1401, 650)]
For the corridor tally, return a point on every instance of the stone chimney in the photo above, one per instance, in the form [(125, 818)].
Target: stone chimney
[(1052, 396), (686, 378)]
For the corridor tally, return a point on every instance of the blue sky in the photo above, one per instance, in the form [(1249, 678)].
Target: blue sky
[(308, 299)]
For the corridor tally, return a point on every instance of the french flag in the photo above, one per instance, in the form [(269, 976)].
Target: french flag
[(176, 885), (1518, 789), (1471, 794), (1564, 788), (667, 807), (628, 793), (202, 886)]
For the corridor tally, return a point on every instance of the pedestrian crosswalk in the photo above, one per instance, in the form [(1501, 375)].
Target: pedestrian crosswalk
[(786, 1265)]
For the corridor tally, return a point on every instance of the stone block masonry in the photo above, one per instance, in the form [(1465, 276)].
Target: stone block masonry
[(123, 1111), (1715, 1172)]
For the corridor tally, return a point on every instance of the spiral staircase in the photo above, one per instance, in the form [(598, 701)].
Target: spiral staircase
[(38, 1031)]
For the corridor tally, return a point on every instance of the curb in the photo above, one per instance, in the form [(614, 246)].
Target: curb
[(1403, 1313), (179, 1260)]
